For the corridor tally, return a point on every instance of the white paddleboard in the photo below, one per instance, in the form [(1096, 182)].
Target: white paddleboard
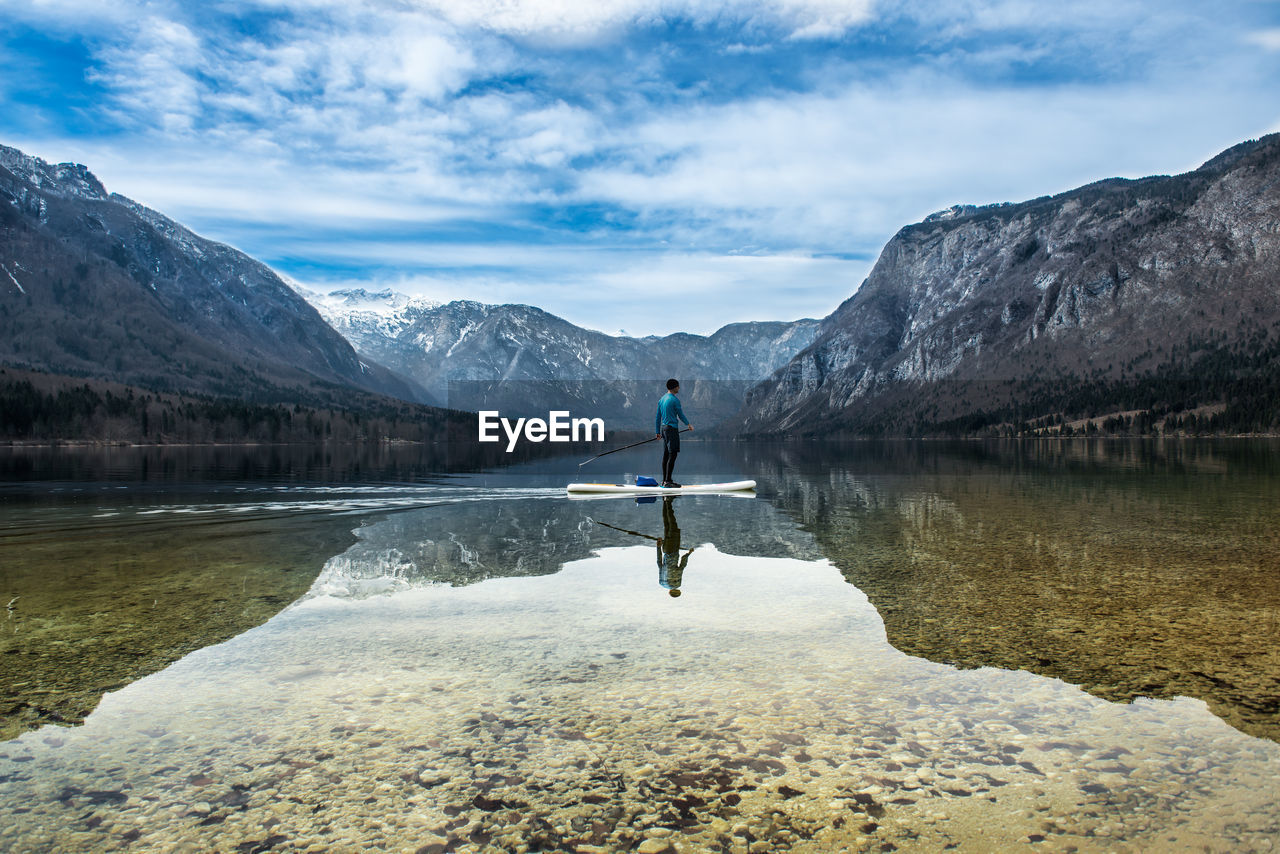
[(631, 489)]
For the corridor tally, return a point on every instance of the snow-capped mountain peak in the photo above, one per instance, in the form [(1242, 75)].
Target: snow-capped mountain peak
[(463, 340), (384, 302)]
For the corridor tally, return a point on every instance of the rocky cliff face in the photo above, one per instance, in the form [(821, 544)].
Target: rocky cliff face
[(94, 284), (541, 360), (987, 308)]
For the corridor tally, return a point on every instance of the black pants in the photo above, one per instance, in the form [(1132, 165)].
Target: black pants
[(670, 448)]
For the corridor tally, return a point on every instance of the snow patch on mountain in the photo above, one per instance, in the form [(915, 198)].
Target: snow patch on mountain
[(436, 344)]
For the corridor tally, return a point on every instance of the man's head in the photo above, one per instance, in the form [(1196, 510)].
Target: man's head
[(673, 385)]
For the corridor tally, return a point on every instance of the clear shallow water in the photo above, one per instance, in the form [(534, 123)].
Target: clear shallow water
[(1130, 569), (508, 670)]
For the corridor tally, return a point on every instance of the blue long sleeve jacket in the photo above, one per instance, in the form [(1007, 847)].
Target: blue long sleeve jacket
[(668, 411)]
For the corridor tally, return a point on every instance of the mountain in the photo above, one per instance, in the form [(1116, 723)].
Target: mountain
[(525, 360), (96, 285), (1151, 301)]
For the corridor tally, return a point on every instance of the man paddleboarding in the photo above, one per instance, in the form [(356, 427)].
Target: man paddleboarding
[(667, 427)]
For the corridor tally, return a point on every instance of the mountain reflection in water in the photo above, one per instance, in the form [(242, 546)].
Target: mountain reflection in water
[(463, 544), (96, 603), (499, 673), (1131, 569)]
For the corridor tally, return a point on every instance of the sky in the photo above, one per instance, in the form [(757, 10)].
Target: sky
[(642, 165)]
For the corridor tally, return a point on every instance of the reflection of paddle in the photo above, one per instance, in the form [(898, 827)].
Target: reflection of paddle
[(635, 533)]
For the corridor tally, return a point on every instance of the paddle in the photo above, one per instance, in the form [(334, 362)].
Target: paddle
[(635, 533), (632, 445), (624, 530)]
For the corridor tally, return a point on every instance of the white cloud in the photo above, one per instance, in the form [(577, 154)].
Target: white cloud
[(823, 18), (353, 71), (824, 169), (645, 291), (550, 136), (540, 259), (1268, 39), (343, 119), (70, 16), (833, 171), (572, 20), (267, 190), (568, 22), (154, 75), (411, 57), (968, 18)]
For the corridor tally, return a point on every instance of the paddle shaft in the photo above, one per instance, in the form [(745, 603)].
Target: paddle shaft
[(625, 447), (625, 531), (635, 533)]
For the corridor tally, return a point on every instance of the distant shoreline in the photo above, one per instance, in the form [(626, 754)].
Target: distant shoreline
[(112, 443), (102, 444)]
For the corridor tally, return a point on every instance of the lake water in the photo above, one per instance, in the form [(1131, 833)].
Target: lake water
[(911, 646)]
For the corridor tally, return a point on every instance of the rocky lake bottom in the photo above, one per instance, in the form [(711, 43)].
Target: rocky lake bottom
[(485, 665)]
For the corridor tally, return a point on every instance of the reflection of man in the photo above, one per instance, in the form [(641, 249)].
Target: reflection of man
[(670, 564)]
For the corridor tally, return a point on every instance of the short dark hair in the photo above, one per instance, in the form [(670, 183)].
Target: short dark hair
[(673, 383)]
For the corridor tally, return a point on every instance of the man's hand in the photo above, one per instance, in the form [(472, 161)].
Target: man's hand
[(691, 427), (658, 436)]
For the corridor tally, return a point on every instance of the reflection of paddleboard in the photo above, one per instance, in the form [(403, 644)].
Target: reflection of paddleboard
[(628, 489), (650, 497)]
